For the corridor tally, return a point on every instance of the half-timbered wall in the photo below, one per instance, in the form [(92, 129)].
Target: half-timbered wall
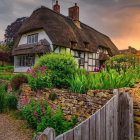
[(85, 60)]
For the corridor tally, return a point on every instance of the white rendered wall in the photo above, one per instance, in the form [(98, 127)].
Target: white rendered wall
[(41, 35)]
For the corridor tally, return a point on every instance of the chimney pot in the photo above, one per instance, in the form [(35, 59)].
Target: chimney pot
[(75, 4), (56, 7)]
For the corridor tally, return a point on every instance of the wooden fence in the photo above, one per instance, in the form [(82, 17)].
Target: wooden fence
[(114, 121)]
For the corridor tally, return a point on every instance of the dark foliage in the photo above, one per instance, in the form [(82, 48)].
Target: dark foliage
[(4, 56), (11, 31), (11, 45), (52, 96), (18, 80), (11, 102)]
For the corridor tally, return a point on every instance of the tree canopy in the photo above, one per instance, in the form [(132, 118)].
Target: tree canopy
[(11, 31)]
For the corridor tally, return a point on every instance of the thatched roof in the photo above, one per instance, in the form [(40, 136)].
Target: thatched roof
[(41, 47), (62, 30), (103, 56)]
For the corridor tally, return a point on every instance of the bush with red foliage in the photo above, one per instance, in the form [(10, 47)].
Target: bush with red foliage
[(18, 80), (4, 56)]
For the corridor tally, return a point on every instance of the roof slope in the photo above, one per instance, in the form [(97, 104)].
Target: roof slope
[(61, 30)]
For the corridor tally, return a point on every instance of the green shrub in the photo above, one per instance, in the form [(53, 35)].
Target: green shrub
[(17, 80), (61, 65), (10, 69), (52, 96), (39, 77), (2, 99), (11, 101), (5, 87), (40, 115), (19, 91), (6, 77), (121, 62)]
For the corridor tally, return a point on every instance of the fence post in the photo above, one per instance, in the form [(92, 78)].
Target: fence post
[(125, 117), (48, 134)]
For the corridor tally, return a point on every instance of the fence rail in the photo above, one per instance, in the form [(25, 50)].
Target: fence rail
[(114, 121)]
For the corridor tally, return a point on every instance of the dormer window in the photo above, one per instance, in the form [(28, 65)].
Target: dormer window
[(73, 44), (32, 39), (86, 45)]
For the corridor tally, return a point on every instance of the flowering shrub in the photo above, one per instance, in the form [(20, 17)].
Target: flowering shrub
[(40, 115), (61, 65), (121, 62), (99, 68), (39, 77)]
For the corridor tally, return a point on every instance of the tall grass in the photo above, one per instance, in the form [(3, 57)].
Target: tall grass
[(81, 83), (2, 99)]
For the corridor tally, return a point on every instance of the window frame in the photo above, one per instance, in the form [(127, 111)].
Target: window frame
[(32, 35)]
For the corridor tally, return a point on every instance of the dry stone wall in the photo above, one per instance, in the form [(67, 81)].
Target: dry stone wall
[(84, 105)]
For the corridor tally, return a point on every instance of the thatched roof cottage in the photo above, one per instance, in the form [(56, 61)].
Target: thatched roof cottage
[(47, 30)]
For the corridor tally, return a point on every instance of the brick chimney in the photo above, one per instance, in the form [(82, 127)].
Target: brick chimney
[(56, 7), (74, 12)]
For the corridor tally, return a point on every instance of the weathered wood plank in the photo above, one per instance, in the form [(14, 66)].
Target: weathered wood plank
[(125, 116), (111, 121), (97, 126), (92, 127), (103, 123), (68, 135), (131, 119), (60, 137), (50, 133), (77, 132), (107, 107), (85, 130), (116, 92)]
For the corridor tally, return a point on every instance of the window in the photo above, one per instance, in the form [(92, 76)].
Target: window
[(24, 61), (82, 61), (86, 45), (32, 39)]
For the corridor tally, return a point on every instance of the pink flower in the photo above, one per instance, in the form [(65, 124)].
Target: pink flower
[(52, 107), (39, 118), (43, 108), (38, 92), (34, 112)]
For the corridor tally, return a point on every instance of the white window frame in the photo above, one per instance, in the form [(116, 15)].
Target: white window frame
[(32, 39)]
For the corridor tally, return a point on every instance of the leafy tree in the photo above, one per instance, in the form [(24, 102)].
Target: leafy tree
[(11, 31), (8, 48), (4, 56)]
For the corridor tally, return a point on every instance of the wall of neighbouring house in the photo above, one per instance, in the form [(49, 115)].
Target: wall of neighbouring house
[(41, 35)]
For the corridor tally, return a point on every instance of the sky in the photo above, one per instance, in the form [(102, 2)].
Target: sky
[(118, 19)]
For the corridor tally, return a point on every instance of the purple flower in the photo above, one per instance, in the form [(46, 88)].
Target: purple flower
[(43, 108), (99, 67), (103, 66), (87, 72)]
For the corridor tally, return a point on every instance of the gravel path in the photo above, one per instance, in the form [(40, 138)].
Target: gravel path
[(11, 129)]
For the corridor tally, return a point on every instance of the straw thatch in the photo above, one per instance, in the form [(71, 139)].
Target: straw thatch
[(62, 30), (103, 56)]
